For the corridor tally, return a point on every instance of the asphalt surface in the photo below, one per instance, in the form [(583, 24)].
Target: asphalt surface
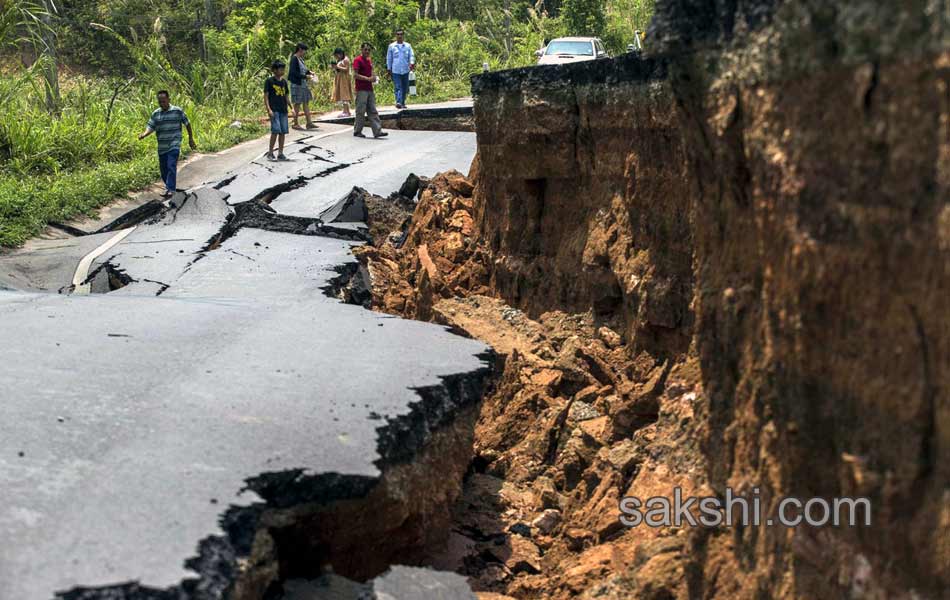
[(399, 583), (131, 420), (338, 160)]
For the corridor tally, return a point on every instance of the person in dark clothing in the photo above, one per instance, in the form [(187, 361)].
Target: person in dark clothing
[(276, 92), (300, 93)]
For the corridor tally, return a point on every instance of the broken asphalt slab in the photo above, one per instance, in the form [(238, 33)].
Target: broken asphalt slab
[(304, 187), (442, 110), (137, 412), (193, 171), (379, 166), (48, 265), (139, 433), (399, 583), (264, 178), (161, 251)]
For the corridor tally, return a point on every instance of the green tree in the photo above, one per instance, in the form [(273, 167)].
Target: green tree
[(624, 18), (17, 16), (585, 17)]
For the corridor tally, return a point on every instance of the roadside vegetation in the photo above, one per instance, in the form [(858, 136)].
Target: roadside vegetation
[(78, 78)]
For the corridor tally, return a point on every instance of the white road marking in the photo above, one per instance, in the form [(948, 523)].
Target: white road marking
[(82, 270)]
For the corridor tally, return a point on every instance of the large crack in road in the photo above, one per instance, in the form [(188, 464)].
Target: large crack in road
[(219, 423)]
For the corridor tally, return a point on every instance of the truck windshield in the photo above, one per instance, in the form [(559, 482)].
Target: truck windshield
[(575, 48)]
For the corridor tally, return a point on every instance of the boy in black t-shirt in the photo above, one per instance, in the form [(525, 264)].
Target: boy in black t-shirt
[(276, 95)]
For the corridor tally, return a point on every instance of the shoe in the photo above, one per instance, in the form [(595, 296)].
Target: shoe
[(362, 135), (167, 194), (381, 134), (282, 158), (297, 127), (312, 126), (269, 156)]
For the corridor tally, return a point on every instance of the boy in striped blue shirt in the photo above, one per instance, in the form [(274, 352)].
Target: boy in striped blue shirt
[(166, 124)]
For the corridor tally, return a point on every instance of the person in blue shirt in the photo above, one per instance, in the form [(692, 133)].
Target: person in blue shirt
[(400, 60), (166, 123)]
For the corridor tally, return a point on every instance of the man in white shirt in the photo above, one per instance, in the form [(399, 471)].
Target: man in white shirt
[(400, 60)]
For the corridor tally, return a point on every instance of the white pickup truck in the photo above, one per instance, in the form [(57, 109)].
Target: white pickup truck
[(571, 49)]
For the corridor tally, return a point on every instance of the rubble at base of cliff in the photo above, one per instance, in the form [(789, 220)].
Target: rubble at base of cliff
[(574, 423), (434, 256)]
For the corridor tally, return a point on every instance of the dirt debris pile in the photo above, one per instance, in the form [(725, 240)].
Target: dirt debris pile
[(572, 425), (431, 256)]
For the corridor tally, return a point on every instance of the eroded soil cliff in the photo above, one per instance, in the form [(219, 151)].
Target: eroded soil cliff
[(723, 266), (817, 140)]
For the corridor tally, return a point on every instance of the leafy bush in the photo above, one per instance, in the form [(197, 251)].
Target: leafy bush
[(446, 50), (624, 18), (585, 17)]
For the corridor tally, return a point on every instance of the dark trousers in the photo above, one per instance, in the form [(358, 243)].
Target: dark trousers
[(168, 164), (401, 83)]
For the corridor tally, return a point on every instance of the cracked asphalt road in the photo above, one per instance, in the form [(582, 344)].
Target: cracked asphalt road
[(131, 420)]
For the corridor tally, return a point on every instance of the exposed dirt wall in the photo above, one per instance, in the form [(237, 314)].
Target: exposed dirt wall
[(809, 229), (725, 266), (582, 196), (817, 141), (583, 201)]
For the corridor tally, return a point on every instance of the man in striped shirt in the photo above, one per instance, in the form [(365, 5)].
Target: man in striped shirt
[(166, 124)]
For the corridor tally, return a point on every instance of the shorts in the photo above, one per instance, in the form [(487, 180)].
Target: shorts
[(279, 123), (300, 93)]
